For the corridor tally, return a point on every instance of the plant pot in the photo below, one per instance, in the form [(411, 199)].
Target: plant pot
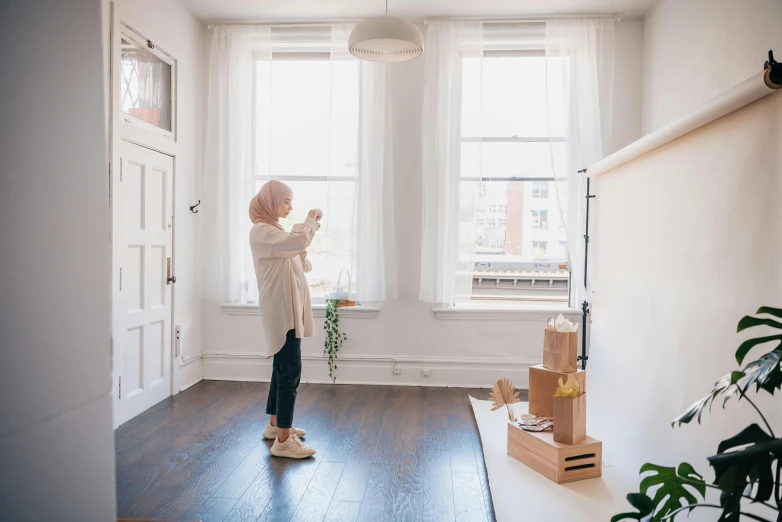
[(569, 419)]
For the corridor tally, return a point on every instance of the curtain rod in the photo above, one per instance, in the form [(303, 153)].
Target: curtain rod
[(526, 19), (287, 24), (488, 20)]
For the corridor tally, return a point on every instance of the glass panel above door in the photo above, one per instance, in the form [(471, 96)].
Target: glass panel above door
[(145, 85)]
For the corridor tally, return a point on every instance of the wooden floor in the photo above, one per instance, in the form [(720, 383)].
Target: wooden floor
[(384, 453)]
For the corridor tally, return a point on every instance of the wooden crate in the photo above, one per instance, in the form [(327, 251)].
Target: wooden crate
[(543, 385), (558, 462)]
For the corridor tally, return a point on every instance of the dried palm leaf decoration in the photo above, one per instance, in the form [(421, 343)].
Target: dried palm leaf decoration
[(504, 394)]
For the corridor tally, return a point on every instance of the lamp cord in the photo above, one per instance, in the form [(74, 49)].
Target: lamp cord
[(386, 7)]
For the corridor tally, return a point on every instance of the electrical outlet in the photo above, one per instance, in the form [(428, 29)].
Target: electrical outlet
[(397, 370), (426, 372)]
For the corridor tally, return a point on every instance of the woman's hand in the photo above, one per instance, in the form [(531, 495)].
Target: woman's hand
[(315, 214)]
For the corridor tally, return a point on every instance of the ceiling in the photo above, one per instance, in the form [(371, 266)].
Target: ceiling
[(314, 10)]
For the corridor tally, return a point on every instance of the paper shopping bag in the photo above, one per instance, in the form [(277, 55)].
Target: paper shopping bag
[(560, 351), (569, 419)]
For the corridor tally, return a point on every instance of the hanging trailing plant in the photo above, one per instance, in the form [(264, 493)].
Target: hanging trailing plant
[(334, 337)]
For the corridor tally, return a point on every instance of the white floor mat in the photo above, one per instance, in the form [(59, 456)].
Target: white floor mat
[(521, 494)]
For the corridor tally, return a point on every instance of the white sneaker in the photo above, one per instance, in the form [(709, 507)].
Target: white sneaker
[(271, 432), (292, 448)]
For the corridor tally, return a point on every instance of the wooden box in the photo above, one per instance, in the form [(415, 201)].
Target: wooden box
[(570, 419), (542, 386), (558, 462)]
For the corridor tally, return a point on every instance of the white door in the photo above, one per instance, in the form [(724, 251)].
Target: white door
[(142, 202)]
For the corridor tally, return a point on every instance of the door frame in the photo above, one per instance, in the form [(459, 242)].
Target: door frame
[(137, 133)]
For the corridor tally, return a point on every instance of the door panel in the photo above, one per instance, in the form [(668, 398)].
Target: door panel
[(143, 220)]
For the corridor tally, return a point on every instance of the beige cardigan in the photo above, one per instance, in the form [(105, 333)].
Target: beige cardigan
[(280, 262)]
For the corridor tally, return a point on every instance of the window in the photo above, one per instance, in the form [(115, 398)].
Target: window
[(540, 189), (539, 249), (307, 136), (507, 142), (146, 80), (540, 219)]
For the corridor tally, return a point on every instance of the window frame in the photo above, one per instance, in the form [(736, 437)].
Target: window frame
[(498, 51)]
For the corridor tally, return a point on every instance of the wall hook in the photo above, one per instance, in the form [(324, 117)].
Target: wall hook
[(192, 209)]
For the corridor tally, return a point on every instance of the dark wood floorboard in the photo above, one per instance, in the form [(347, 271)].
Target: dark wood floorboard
[(384, 454)]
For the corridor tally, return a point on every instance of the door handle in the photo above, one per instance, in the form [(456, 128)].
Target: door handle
[(169, 278)]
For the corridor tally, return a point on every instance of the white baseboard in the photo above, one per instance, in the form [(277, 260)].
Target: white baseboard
[(376, 370), (191, 372)]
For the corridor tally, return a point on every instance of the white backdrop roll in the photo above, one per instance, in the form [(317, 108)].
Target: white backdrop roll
[(748, 91)]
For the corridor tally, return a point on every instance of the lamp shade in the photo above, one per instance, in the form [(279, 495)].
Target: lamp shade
[(385, 39)]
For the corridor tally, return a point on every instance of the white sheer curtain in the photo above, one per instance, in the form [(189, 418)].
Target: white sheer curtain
[(450, 193), (225, 263), (376, 277), (318, 124), (580, 68), (367, 220)]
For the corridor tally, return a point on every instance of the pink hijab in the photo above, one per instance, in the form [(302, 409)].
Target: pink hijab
[(263, 207)]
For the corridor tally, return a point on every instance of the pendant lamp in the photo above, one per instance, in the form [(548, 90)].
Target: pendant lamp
[(385, 39)]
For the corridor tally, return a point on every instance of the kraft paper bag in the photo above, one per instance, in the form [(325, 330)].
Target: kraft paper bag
[(570, 419), (560, 351)]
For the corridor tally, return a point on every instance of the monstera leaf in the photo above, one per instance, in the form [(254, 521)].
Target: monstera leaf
[(748, 322), (764, 372), (728, 386), (642, 503), (731, 507), (747, 345), (735, 470), (777, 312), (672, 488)]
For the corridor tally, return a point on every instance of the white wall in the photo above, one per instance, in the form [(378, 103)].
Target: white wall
[(180, 33), (688, 239), (697, 49), (628, 85), (465, 352), (56, 441)]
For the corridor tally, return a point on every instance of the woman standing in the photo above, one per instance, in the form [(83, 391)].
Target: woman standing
[(280, 260)]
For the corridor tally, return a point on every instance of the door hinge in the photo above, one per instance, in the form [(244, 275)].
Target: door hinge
[(120, 279), (120, 387), (109, 184), (120, 169)]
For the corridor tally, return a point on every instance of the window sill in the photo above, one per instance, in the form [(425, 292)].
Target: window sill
[(318, 311), (487, 313)]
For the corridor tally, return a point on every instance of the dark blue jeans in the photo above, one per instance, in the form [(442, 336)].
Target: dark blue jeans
[(286, 374)]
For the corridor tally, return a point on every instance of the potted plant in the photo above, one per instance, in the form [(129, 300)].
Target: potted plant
[(746, 467), (334, 337)]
